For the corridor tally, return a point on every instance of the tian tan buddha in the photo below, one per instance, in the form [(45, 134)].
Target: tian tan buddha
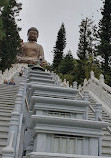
[(31, 50)]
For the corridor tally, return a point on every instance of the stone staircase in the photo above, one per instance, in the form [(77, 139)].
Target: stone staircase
[(106, 141), (7, 100), (47, 88)]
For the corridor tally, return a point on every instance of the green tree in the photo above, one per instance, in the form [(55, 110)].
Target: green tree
[(59, 47), (10, 43), (104, 32), (3, 3), (86, 49), (87, 40), (66, 65)]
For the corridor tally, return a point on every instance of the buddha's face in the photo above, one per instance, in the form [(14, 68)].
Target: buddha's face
[(32, 35)]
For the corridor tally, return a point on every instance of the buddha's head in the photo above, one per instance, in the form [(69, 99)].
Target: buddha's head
[(32, 34)]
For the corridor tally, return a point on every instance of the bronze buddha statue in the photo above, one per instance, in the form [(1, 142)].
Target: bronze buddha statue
[(31, 50)]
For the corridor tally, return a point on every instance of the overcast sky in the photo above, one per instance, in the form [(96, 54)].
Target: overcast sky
[(48, 15)]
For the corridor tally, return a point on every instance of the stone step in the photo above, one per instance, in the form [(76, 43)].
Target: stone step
[(2, 100), (6, 110), (106, 138), (9, 90), (2, 144), (92, 103), (5, 118), (7, 103), (7, 106), (105, 132), (90, 114), (5, 121), (41, 73), (91, 117), (3, 140), (8, 94), (5, 128), (106, 151), (3, 135), (4, 114), (10, 87), (106, 156), (107, 120), (106, 144), (12, 91), (106, 116), (104, 113), (41, 76), (4, 124)]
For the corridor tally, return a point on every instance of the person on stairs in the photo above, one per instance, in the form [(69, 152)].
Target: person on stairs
[(12, 82), (5, 82)]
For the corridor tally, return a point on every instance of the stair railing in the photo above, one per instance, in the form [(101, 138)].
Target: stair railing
[(9, 150), (97, 111), (98, 87), (15, 124), (7, 74)]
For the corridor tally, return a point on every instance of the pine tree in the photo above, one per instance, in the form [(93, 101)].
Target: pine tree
[(86, 46), (10, 44), (104, 48), (59, 47), (66, 65), (3, 3)]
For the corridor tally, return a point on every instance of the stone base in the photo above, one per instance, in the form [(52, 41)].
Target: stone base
[(58, 155)]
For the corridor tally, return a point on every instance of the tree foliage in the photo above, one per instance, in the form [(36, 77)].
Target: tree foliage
[(66, 65), (3, 3), (10, 43), (87, 50), (104, 32), (87, 40), (59, 47)]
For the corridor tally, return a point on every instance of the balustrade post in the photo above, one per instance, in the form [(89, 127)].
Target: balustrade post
[(60, 82), (79, 88), (75, 85), (67, 83), (98, 111), (64, 83), (84, 85), (8, 151), (86, 96), (91, 77), (101, 80)]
